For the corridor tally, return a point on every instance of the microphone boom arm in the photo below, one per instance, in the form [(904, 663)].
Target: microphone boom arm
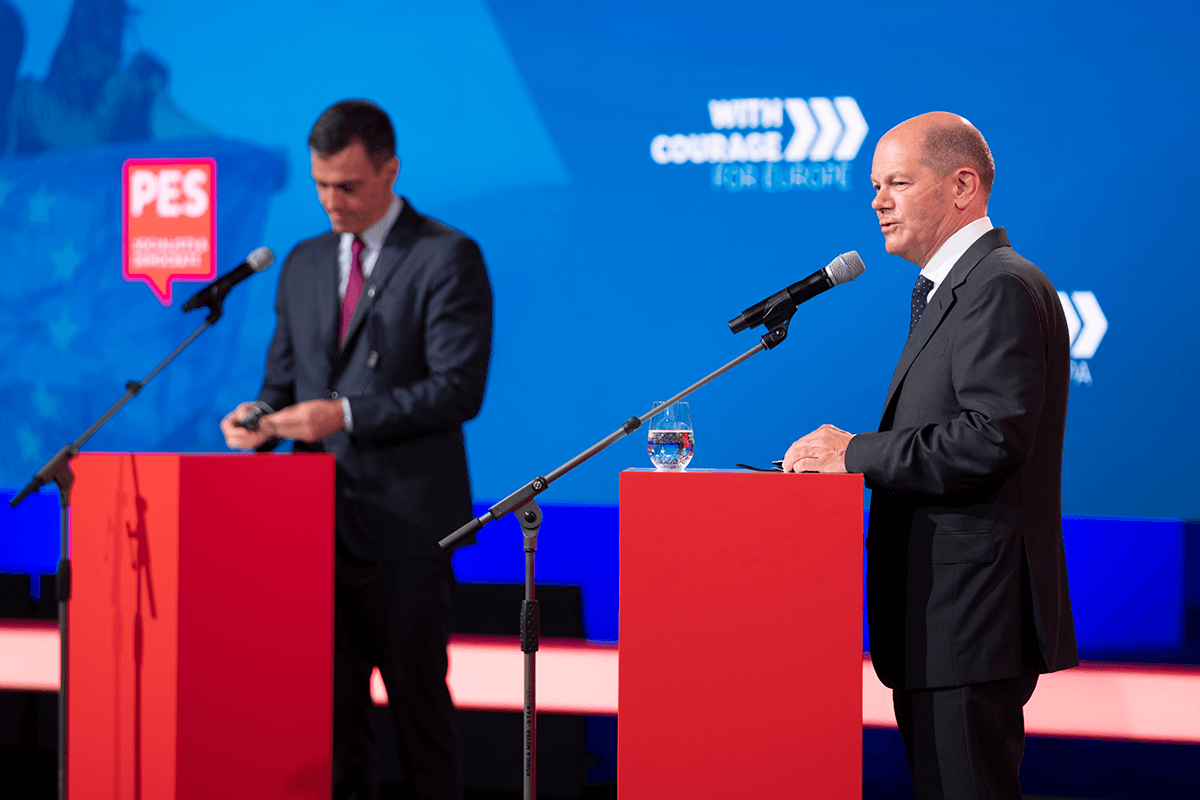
[(780, 316)]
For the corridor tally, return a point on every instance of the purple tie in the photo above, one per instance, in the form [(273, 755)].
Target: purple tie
[(353, 289)]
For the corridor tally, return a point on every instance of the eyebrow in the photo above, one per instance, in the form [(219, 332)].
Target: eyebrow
[(338, 184)]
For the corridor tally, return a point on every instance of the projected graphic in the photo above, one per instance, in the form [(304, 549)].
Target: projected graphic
[(97, 144), (630, 194), (170, 222), (822, 129), (1086, 325)]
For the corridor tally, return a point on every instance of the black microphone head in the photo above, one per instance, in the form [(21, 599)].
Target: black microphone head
[(262, 258), (845, 268)]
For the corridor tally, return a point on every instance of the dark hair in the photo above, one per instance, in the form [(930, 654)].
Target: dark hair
[(349, 121), (950, 147)]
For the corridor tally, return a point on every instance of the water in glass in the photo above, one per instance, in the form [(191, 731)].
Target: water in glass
[(671, 442)]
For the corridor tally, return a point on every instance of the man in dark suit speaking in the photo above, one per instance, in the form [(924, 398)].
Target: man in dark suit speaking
[(967, 595), (380, 354)]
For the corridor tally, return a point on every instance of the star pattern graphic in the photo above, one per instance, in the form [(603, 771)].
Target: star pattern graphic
[(66, 314), (44, 402), (29, 442), (63, 330), (65, 260), (39, 207)]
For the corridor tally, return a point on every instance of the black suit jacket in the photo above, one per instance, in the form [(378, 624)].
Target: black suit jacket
[(413, 366), (966, 574)]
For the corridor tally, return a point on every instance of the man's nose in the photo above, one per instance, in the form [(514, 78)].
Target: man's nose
[(881, 201)]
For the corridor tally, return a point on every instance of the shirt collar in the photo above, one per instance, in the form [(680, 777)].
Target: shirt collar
[(953, 249), (372, 238)]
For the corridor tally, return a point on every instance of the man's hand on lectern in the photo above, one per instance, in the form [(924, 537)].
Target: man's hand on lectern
[(823, 450)]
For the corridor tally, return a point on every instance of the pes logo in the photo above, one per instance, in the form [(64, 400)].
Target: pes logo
[(170, 224)]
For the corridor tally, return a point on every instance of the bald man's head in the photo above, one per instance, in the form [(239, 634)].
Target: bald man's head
[(955, 144), (932, 175)]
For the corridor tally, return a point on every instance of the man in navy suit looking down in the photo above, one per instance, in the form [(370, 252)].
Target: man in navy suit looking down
[(380, 353)]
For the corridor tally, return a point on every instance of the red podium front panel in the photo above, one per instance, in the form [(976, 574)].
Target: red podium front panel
[(201, 627), (740, 635)]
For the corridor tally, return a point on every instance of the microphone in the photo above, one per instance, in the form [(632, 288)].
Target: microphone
[(215, 292), (842, 269)]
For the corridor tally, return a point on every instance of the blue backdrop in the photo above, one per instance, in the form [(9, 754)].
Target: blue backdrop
[(533, 128)]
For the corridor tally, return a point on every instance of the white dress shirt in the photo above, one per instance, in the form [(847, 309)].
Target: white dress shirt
[(372, 239), (950, 252)]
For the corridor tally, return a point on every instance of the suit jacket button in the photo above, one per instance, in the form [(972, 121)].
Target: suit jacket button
[(333, 395), (371, 292)]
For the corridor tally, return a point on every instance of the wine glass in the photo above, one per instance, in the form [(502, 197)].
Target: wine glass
[(672, 441)]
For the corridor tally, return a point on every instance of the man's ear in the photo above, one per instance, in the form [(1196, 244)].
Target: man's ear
[(966, 187), (391, 168)]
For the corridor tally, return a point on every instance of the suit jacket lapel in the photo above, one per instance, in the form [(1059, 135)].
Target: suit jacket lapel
[(325, 291), (395, 247), (940, 305)]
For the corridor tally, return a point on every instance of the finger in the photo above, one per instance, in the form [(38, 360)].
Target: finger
[(803, 449), (789, 458), (237, 413), (239, 441)]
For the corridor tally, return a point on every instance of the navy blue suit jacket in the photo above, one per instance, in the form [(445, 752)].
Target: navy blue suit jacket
[(413, 367), (966, 572)]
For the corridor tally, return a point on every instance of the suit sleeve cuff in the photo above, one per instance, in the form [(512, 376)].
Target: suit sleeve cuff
[(854, 454), (347, 417)]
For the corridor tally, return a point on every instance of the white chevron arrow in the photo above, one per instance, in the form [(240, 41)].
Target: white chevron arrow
[(806, 129), (824, 129), (1095, 324), (831, 128), (856, 128), (1073, 324)]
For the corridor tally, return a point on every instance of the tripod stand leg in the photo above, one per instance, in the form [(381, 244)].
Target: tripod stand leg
[(531, 519)]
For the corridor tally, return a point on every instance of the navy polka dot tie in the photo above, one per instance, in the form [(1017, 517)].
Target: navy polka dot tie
[(920, 296)]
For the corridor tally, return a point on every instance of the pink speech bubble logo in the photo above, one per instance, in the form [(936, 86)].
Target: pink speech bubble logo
[(170, 221)]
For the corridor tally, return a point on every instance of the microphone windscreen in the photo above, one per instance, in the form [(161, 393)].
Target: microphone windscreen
[(260, 259), (845, 267)]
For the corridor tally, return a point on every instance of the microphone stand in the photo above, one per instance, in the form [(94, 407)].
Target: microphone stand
[(776, 319), (58, 470)]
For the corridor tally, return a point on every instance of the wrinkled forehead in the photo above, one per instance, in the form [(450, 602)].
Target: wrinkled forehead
[(895, 156)]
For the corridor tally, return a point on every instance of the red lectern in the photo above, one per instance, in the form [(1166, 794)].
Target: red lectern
[(201, 627), (741, 635)]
